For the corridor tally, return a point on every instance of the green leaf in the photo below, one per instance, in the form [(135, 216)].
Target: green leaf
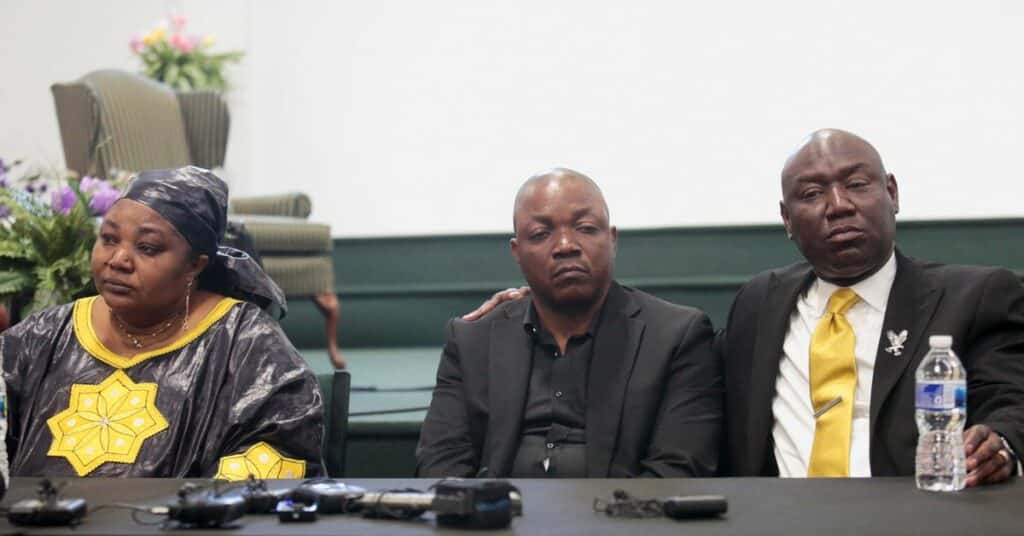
[(195, 74), (171, 74), (14, 250), (227, 57), (15, 281)]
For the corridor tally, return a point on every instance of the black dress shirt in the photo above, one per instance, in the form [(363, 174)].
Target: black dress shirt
[(553, 438)]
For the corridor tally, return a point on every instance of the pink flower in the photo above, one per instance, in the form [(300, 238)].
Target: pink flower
[(182, 43), (178, 22), (137, 45)]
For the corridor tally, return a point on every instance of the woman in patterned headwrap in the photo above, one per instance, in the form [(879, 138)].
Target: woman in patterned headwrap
[(174, 369)]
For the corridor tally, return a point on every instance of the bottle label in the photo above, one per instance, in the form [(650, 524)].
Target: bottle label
[(942, 395)]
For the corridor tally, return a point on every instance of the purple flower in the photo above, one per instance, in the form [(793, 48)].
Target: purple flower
[(4, 212), (63, 200), (103, 197), (87, 184)]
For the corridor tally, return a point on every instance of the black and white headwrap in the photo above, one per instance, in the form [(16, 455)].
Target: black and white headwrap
[(195, 201)]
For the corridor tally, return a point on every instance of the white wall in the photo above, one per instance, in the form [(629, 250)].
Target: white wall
[(413, 117), (47, 41)]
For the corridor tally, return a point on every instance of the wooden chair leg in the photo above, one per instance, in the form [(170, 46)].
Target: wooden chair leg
[(331, 308)]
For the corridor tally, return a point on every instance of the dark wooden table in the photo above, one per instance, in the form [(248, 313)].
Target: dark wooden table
[(756, 506)]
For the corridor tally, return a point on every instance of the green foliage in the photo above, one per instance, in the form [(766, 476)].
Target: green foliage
[(180, 60), (44, 254), (186, 71)]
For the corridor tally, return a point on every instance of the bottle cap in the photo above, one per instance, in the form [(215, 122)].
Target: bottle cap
[(940, 341)]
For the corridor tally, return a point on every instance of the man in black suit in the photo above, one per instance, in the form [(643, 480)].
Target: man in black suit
[(839, 207), (586, 378)]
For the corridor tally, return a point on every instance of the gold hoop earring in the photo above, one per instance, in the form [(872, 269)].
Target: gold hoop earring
[(188, 294)]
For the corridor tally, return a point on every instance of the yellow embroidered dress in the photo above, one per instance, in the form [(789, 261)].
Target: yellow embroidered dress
[(229, 398)]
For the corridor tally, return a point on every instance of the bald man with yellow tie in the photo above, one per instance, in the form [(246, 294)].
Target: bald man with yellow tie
[(820, 356)]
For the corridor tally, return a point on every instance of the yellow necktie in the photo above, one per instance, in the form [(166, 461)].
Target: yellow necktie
[(833, 375)]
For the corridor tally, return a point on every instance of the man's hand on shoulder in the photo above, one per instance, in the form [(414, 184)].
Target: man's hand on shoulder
[(499, 297), (988, 460)]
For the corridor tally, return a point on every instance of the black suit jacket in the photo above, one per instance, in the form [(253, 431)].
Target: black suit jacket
[(982, 308), (654, 393)]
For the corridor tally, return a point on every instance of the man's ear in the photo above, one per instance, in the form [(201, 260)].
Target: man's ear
[(614, 231), (894, 192), (785, 219), (513, 245)]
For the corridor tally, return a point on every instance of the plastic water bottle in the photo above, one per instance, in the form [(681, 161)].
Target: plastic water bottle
[(941, 401)]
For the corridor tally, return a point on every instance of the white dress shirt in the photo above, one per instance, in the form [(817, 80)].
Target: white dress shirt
[(793, 431)]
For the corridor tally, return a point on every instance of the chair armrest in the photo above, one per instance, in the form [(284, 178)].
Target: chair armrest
[(295, 205)]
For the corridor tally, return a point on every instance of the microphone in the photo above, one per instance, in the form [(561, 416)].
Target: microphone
[(694, 506), (479, 504)]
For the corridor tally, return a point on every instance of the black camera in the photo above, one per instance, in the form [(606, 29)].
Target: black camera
[(486, 504), (330, 496), (47, 510), (199, 507), (259, 499)]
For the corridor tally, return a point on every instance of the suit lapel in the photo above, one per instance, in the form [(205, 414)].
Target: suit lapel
[(615, 349), (912, 303), (773, 323), (509, 369)]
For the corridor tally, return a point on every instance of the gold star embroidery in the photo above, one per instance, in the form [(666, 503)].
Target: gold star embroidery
[(261, 461), (108, 422)]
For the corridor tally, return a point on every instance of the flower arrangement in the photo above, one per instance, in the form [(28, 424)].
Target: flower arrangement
[(180, 60), (48, 224)]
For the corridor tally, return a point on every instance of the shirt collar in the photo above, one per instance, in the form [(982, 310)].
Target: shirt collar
[(530, 319), (533, 326), (874, 291)]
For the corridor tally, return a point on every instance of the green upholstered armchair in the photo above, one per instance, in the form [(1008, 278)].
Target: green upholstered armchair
[(113, 119)]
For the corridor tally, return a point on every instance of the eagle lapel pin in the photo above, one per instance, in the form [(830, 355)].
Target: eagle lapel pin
[(896, 342)]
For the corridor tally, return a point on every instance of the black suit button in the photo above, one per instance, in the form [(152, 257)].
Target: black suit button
[(558, 394), (550, 445)]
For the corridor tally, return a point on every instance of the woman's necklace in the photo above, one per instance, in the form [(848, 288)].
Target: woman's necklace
[(137, 342)]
